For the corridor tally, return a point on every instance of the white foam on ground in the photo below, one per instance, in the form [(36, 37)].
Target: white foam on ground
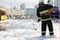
[(24, 30)]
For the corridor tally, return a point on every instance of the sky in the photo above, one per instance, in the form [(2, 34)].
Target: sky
[(17, 3)]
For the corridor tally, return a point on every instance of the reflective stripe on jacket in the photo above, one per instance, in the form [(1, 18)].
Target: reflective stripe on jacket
[(46, 19)]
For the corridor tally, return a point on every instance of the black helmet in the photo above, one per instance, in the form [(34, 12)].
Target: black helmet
[(40, 3)]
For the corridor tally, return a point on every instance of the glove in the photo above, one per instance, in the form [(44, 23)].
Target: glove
[(38, 20)]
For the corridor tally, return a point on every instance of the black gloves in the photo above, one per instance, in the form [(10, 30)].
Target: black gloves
[(38, 20)]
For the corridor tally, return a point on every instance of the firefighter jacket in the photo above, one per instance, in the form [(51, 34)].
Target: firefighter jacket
[(43, 12)]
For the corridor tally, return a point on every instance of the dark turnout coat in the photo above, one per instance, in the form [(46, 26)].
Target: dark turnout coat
[(43, 12)]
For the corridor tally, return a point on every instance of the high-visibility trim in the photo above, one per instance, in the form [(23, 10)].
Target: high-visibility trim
[(43, 12), (45, 19), (41, 0), (45, 32), (51, 32)]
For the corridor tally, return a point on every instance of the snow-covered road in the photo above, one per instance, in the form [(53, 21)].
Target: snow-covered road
[(24, 29)]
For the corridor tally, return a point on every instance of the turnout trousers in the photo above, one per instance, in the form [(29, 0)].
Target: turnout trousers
[(50, 27)]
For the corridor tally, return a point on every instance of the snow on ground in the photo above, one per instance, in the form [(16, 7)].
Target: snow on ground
[(24, 29)]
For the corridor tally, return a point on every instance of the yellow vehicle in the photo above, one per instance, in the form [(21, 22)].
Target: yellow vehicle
[(3, 15), (3, 24)]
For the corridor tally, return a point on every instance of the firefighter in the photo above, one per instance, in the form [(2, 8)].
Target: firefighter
[(43, 12)]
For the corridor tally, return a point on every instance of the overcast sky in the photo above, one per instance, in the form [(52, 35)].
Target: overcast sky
[(29, 3)]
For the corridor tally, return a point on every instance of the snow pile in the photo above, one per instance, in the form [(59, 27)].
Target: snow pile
[(22, 24), (25, 30), (18, 34)]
